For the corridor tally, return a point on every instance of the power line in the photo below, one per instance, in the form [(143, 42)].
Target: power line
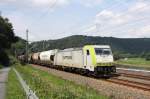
[(118, 4), (125, 23), (50, 7), (44, 14), (110, 7)]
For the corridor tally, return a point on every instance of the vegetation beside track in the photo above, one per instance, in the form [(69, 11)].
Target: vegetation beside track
[(135, 63), (14, 88), (48, 86), (1, 66)]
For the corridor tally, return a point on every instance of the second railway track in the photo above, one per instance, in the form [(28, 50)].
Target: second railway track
[(134, 84), (135, 76), (132, 79)]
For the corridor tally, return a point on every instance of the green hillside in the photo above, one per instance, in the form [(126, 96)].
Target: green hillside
[(126, 46)]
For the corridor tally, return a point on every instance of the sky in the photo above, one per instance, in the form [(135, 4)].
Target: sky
[(54, 19)]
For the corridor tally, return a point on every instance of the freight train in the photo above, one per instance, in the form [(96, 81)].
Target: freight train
[(96, 59)]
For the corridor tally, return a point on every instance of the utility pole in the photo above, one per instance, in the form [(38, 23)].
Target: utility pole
[(44, 45), (27, 52)]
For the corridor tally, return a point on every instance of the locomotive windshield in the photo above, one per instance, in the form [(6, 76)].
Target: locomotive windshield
[(102, 51)]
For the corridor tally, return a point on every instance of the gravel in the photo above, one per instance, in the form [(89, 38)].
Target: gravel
[(114, 91)]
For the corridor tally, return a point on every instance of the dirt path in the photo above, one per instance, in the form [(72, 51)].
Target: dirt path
[(3, 79)]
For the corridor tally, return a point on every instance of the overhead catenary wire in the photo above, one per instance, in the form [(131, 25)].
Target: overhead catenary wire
[(118, 4), (124, 24), (48, 9), (78, 30), (37, 19)]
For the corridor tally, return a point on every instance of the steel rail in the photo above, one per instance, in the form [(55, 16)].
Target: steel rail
[(134, 84), (135, 76)]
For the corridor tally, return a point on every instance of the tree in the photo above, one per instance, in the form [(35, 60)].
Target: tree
[(7, 37), (147, 57), (18, 48)]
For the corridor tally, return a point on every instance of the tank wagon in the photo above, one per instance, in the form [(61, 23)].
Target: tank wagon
[(97, 59), (47, 57), (35, 58), (21, 58)]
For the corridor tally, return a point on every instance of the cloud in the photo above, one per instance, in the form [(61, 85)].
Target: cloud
[(90, 3), (107, 17), (141, 6), (118, 23), (144, 31), (18, 23), (92, 28), (36, 3), (4, 1), (50, 2)]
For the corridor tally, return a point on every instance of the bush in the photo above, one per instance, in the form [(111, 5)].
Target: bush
[(147, 58), (13, 60), (116, 57), (4, 59)]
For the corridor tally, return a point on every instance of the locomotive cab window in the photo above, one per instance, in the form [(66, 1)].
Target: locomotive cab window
[(102, 51), (98, 51), (106, 52), (87, 52)]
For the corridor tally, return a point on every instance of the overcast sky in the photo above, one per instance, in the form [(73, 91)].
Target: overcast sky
[(53, 19)]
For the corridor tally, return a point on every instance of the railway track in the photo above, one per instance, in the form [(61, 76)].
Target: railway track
[(135, 76), (134, 84)]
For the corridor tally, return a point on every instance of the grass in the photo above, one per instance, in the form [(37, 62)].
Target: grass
[(136, 62), (48, 86), (14, 89)]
